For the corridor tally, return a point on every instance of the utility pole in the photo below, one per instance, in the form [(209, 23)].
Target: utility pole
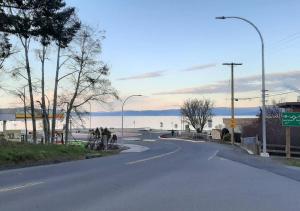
[(232, 121)]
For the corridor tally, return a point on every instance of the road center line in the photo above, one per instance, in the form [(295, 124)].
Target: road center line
[(214, 155), (27, 185), (153, 157)]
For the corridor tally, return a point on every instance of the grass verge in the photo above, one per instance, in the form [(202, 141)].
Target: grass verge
[(285, 161), (292, 162), (24, 154)]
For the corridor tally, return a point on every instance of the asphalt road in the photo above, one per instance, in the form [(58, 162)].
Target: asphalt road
[(171, 175)]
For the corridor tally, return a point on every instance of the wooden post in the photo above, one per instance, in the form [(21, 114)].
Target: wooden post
[(258, 145), (288, 142)]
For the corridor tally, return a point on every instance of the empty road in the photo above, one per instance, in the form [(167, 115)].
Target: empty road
[(170, 175)]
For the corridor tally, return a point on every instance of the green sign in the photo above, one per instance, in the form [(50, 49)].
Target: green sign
[(291, 119)]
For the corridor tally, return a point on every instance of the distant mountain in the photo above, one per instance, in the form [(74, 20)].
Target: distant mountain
[(220, 111)]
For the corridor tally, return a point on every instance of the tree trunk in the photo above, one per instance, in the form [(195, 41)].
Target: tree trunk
[(68, 113), (55, 96), (34, 137), (43, 105), (25, 118)]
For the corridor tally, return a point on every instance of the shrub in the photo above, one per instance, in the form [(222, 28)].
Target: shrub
[(227, 137)]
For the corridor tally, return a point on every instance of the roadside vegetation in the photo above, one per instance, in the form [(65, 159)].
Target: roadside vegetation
[(197, 112), (22, 154), (290, 162), (293, 162)]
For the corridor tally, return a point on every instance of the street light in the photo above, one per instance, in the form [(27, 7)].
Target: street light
[(90, 114), (263, 91), (123, 110)]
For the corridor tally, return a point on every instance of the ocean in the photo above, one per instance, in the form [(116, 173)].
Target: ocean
[(154, 122)]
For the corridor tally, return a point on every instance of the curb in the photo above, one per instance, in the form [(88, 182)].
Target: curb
[(180, 139), (134, 148), (245, 149), (92, 156)]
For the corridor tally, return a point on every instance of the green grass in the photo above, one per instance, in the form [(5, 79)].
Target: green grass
[(12, 153), (287, 161), (292, 162)]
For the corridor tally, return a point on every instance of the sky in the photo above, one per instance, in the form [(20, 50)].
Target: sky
[(173, 50)]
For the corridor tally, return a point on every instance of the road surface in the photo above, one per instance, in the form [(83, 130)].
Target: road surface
[(171, 175)]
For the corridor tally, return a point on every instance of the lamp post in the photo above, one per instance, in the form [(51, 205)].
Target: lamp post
[(263, 91), (123, 110), (90, 115)]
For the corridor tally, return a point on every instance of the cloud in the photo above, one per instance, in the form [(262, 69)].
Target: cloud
[(274, 82), (154, 74), (199, 67)]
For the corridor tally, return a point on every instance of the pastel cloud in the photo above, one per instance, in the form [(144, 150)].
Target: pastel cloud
[(274, 82), (154, 74), (160, 73), (199, 67)]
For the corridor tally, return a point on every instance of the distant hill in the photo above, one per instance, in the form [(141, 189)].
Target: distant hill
[(220, 111)]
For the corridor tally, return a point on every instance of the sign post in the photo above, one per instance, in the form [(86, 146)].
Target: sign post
[(289, 119)]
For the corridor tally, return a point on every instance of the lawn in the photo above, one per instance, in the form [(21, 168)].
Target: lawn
[(293, 162), (13, 153)]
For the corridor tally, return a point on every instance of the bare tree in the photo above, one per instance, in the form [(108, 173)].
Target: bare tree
[(21, 94), (88, 75), (66, 27), (272, 111), (197, 112)]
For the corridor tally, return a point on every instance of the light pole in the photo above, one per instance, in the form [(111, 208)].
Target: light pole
[(90, 115), (123, 110), (232, 122), (263, 91)]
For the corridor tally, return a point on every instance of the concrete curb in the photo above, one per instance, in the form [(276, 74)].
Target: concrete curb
[(134, 148), (245, 149), (92, 156), (180, 139)]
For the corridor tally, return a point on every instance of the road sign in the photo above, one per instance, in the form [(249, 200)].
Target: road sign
[(233, 123), (291, 119)]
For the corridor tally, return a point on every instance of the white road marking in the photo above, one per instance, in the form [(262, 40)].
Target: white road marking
[(149, 140), (27, 185), (214, 155), (225, 159), (154, 157)]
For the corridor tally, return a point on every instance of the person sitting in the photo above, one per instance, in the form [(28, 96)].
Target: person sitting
[(114, 139), (97, 133)]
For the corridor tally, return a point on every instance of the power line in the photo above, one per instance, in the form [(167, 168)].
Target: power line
[(283, 93)]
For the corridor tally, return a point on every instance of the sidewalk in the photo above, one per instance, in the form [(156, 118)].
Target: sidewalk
[(239, 155)]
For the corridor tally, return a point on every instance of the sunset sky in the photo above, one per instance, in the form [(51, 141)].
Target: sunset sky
[(170, 51)]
